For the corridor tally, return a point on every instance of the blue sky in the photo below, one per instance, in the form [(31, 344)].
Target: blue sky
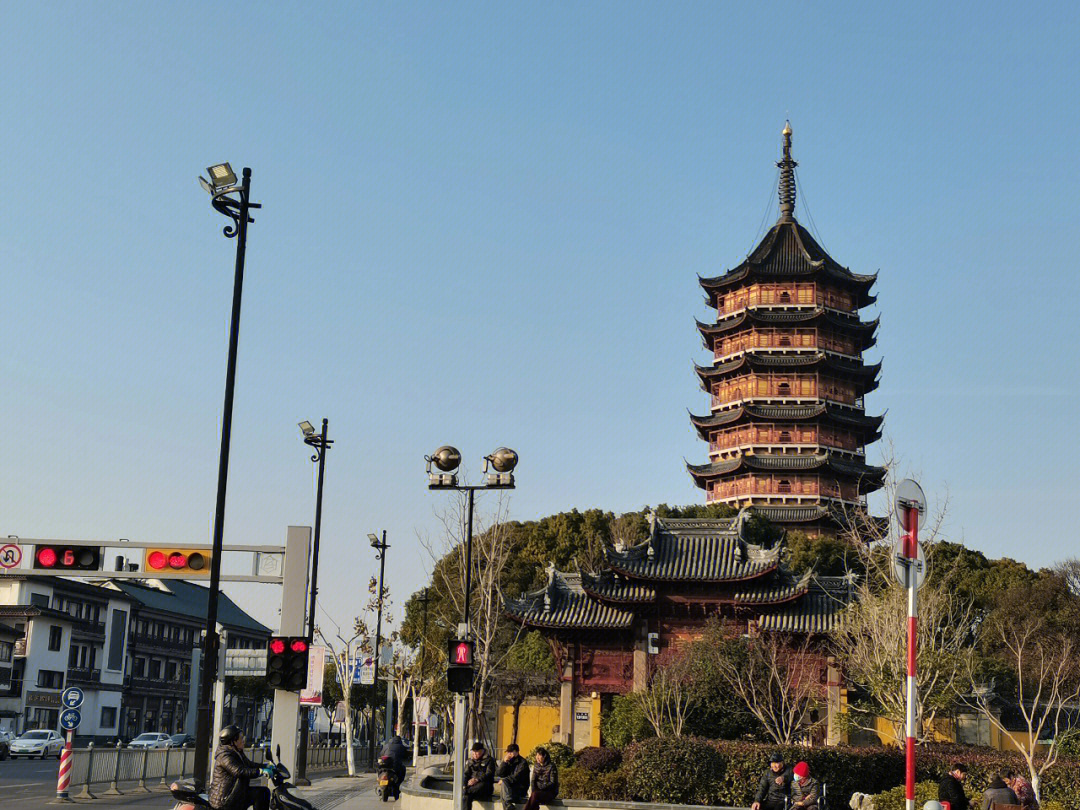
[(483, 225)]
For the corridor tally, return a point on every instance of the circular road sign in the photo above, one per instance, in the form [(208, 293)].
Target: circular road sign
[(909, 495), (10, 556), (70, 719), (72, 697), (901, 566)]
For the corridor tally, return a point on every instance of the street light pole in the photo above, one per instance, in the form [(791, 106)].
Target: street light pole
[(380, 552), (419, 691), (320, 444), (221, 185)]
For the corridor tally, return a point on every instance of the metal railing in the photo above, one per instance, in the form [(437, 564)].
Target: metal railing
[(157, 768)]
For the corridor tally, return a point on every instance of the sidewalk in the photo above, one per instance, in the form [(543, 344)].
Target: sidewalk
[(343, 793)]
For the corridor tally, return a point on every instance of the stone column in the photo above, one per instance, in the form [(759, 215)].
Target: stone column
[(566, 703), (641, 658), (835, 702)]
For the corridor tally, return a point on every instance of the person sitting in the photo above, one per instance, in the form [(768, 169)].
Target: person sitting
[(951, 787), (513, 773), (774, 787), (1022, 788), (805, 790), (998, 793), (544, 785), (230, 787), (396, 750), (479, 776)]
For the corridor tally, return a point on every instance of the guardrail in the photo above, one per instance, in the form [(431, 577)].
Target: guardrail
[(157, 768)]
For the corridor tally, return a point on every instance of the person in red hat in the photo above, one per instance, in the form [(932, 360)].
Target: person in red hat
[(805, 790)]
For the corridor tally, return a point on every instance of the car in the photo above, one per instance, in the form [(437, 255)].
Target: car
[(180, 740), (151, 739), (37, 743)]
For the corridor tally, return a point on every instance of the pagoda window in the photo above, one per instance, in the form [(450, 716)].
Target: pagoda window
[(785, 340), (785, 437), (785, 297), (783, 389), (783, 486)]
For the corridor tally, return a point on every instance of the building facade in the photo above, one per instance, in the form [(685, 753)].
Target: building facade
[(787, 428)]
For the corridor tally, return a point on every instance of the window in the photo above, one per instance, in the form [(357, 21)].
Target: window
[(50, 679), (784, 486), (108, 717), (155, 668), (56, 638), (139, 669), (785, 340), (39, 600), (785, 436), (170, 670), (116, 640), (5, 652), (783, 389), (73, 656)]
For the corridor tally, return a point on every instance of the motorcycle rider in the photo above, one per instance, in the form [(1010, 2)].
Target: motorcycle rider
[(230, 787), (396, 750)]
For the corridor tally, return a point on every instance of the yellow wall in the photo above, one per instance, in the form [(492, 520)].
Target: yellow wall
[(536, 723)]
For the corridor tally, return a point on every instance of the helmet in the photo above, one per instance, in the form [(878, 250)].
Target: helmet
[(229, 735), (932, 805)]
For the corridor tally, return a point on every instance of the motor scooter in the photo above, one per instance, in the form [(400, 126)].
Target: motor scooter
[(387, 777), (280, 796)]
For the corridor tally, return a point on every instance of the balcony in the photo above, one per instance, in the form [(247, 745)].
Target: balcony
[(83, 676), (159, 642), (144, 684), (88, 629)]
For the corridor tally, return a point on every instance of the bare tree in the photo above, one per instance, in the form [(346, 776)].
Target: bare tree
[(404, 673), (870, 642), (778, 682), (491, 550), (1044, 661), (667, 701), (1069, 570)]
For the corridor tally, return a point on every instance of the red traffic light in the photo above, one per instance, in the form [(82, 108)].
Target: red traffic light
[(277, 646), (176, 560), (68, 558), (298, 645), (46, 557)]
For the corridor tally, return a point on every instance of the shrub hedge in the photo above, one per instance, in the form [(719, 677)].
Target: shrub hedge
[(677, 770), (896, 798), (598, 759), (577, 782)]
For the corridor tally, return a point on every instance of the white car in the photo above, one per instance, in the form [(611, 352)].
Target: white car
[(38, 743), (150, 739)]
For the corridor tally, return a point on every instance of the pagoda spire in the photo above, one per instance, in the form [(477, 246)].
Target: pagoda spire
[(787, 179)]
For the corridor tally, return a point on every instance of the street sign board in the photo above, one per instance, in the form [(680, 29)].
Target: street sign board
[(909, 495), (72, 697), (365, 674), (312, 695), (245, 663), (70, 719), (10, 556), (901, 565)]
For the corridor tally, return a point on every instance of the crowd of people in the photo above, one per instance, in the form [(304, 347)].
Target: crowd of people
[(1007, 788)]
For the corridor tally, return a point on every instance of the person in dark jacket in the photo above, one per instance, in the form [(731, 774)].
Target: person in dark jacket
[(544, 786), (230, 787), (479, 776), (774, 787), (998, 793), (951, 787), (805, 790), (513, 773), (396, 750)]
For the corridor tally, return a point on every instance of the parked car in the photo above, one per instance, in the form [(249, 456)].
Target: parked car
[(37, 743), (150, 739), (180, 740)]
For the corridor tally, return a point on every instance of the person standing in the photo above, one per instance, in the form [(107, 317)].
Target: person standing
[(951, 787), (775, 786), (479, 776), (545, 781), (805, 790), (513, 774)]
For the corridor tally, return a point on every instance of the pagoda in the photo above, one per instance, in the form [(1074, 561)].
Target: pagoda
[(787, 429)]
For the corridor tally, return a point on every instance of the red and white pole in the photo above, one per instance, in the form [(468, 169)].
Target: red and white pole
[(63, 779), (911, 552)]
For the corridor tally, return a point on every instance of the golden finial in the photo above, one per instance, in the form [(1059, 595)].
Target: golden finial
[(787, 128)]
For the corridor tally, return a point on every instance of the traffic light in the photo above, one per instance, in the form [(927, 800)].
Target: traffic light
[(287, 662), (459, 665), (63, 559), (171, 560)]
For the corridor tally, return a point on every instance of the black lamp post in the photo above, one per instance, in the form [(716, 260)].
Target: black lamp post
[(320, 444), (234, 202), (380, 546), (446, 460)]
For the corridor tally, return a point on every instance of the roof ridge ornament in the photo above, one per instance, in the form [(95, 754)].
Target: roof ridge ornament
[(787, 178)]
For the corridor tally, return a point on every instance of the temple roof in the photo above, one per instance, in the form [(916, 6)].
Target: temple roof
[(788, 251), (694, 551), (764, 316), (817, 612), (867, 474), (563, 604), (823, 411), (780, 589), (818, 360), (610, 587)]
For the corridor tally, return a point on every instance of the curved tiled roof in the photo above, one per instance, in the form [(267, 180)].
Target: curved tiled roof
[(694, 554), (763, 315), (827, 412), (789, 251), (608, 587), (754, 361), (781, 589), (563, 604), (816, 613), (794, 462)]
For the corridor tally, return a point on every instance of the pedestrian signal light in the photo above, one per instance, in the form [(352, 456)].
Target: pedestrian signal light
[(287, 662), (195, 562), (459, 669), (67, 558)]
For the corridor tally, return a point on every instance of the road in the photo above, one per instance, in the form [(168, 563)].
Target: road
[(30, 784)]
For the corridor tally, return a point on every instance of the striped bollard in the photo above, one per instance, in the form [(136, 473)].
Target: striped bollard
[(63, 779)]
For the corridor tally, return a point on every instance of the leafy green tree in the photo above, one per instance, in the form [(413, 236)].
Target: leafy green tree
[(624, 722)]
